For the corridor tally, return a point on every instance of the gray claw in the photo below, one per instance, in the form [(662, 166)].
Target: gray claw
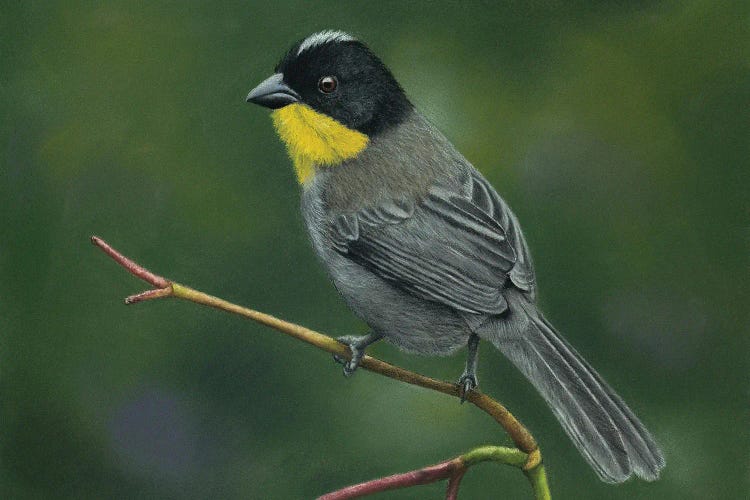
[(350, 366), (468, 382)]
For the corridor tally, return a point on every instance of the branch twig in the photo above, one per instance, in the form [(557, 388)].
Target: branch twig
[(527, 447), (453, 470), (426, 475)]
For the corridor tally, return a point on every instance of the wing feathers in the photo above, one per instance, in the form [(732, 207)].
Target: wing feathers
[(452, 247)]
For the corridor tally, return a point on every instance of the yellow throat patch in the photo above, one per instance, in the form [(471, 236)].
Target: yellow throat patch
[(313, 138)]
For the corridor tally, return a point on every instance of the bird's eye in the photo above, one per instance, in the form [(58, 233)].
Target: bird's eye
[(327, 84)]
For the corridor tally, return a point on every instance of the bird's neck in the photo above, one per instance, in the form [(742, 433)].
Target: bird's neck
[(315, 140)]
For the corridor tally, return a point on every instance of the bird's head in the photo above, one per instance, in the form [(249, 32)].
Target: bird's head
[(330, 95)]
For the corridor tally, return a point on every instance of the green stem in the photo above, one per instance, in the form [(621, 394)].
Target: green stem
[(538, 479), (516, 458)]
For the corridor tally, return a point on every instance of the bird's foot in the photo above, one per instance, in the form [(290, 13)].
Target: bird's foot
[(467, 383), (355, 345)]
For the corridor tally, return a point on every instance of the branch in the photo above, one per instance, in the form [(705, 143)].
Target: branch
[(449, 469), (163, 288), (453, 470)]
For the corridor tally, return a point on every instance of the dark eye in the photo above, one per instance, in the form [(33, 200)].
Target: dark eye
[(327, 84)]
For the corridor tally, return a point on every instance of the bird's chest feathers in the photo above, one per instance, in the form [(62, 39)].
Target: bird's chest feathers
[(314, 139)]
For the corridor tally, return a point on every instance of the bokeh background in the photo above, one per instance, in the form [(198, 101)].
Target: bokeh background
[(618, 131)]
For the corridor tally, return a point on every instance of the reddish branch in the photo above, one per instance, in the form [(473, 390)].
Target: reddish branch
[(454, 471), (450, 469), (133, 268)]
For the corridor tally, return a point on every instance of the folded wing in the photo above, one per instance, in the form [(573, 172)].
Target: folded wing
[(451, 247)]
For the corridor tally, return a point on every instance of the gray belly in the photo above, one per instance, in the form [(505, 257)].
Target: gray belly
[(413, 324)]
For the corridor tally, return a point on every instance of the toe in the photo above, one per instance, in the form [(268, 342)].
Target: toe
[(347, 339), (467, 383)]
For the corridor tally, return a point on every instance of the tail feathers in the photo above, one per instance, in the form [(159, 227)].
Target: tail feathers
[(606, 432), (645, 456)]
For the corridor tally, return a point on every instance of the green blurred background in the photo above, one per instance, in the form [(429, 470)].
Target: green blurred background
[(618, 131)]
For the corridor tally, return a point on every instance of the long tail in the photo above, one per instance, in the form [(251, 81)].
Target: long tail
[(606, 432)]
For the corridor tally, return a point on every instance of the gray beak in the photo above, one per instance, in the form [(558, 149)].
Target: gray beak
[(273, 93)]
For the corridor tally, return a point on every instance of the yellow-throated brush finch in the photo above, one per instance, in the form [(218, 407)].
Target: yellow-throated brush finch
[(423, 248)]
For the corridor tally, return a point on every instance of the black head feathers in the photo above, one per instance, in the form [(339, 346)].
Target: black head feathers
[(339, 76)]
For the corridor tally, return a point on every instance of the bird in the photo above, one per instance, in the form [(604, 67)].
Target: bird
[(422, 247)]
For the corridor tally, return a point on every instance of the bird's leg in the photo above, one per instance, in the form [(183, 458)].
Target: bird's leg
[(357, 346), (468, 380)]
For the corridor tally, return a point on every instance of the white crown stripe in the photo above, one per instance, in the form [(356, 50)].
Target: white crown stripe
[(324, 37)]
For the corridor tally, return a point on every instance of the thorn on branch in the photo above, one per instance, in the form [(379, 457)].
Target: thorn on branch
[(156, 293)]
